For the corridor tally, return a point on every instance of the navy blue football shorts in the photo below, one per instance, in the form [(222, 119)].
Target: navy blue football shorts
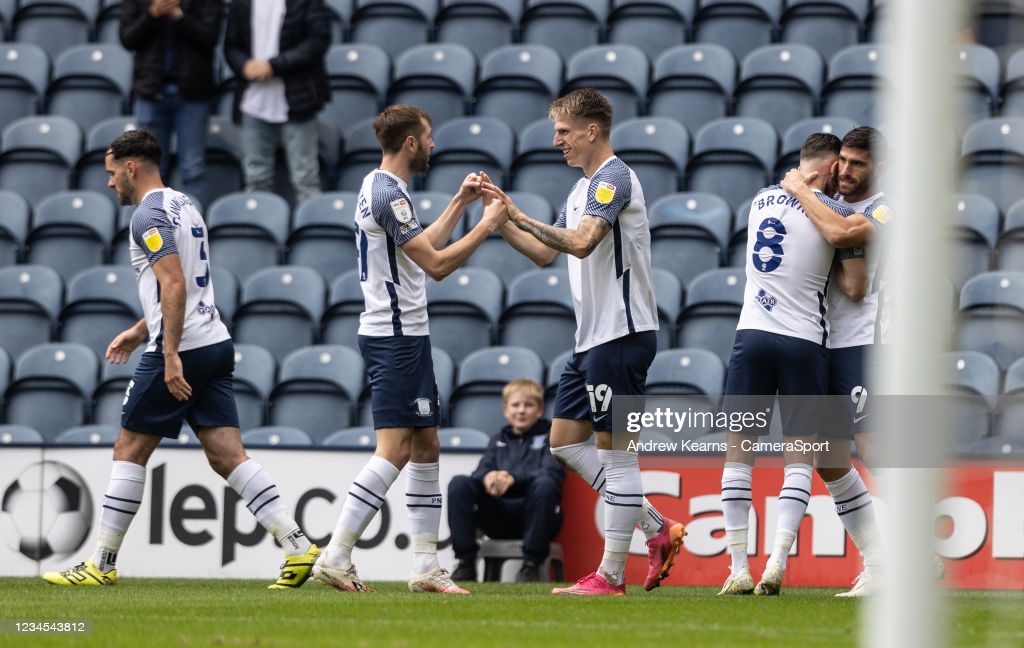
[(150, 408), (403, 392), (592, 377)]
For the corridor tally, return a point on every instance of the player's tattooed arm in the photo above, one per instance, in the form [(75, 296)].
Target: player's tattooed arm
[(579, 242)]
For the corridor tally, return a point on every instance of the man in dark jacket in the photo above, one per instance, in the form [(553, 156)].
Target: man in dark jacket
[(276, 49), (173, 84), (515, 492)]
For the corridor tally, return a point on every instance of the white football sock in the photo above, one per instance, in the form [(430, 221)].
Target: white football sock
[(793, 498), (120, 504), (365, 497), (261, 497), (623, 506), (857, 512), (423, 500), (582, 459), (736, 480)]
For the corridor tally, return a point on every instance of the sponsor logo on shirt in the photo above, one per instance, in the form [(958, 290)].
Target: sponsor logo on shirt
[(153, 239), (605, 192), (881, 214), (402, 210), (766, 300)]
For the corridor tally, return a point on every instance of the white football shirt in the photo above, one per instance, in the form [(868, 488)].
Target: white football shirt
[(857, 324), (787, 268), (166, 222), (394, 287), (612, 288)]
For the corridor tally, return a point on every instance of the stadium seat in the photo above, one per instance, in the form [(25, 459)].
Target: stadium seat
[(341, 14), (468, 145), (102, 301), (120, 246), (247, 231), (352, 438), (693, 84), (653, 26), (975, 227), (732, 158), (517, 82), (738, 25), (437, 77), (429, 205), (855, 82), (540, 167), (37, 155), (395, 25), (55, 25), (1011, 93), (24, 75), (712, 308), (272, 436), (992, 163), (15, 219), (620, 72), (495, 253), (90, 83), (689, 232), (340, 321), (91, 169), (108, 22), (539, 300), (476, 401), (358, 75), (226, 292), (6, 371), (1009, 408), (793, 139), (464, 311), (52, 387), (991, 316), (978, 70), (444, 377), (780, 84), (567, 26), (31, 297), (479, 25), (998, 24), (223, 160), (826, 25), (316, 390), (323, 236), (94, 434), (16, 435), (736, 255), (656, 148), (462, 438), (972, 382), (995, 448), (552, 376), (668, 292), (71, 231), (280, 309), (1009, 247), (254, 378), (108, 395), (686, 380), (361, 155)]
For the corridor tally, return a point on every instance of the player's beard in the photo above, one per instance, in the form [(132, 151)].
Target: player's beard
[(421, 162)]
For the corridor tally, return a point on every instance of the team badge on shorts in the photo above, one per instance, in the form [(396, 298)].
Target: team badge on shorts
[(423, 407), (605, 192), (153, 239), (402, 210)]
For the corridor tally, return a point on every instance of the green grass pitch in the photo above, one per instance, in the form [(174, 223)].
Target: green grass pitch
[(153, 612)]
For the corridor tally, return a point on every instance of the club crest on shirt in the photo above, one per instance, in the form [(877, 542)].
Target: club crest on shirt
[(605, 192), (153, 239), (402, 210)]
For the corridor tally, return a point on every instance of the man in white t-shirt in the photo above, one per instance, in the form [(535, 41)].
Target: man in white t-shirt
[(276, 50), (603, 228)]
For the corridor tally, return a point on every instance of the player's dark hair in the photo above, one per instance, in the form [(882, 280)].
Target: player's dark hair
[(140, 144), (820, 145), (586, 104), (397, 122), (866, 138)]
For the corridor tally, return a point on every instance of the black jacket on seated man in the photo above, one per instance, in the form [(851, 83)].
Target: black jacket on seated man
[(529, 509)]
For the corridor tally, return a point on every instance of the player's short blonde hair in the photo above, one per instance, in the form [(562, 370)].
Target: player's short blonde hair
[(586, 105), (528, 388)]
